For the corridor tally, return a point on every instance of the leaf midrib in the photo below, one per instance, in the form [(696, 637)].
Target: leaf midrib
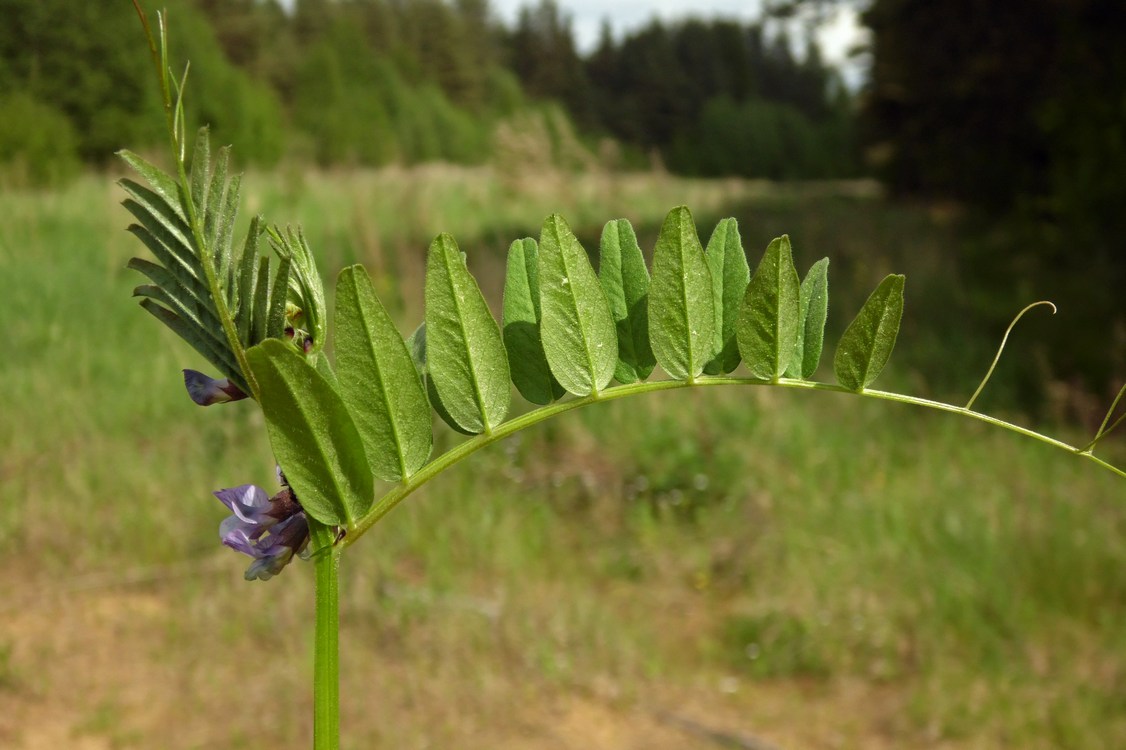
[(681, 236), (383, 390), (575, 306), (465, 338)]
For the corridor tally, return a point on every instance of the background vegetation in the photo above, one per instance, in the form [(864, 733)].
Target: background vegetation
[(837, 574)]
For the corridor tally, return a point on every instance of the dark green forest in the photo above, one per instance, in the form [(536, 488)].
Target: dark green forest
[(374, 82)]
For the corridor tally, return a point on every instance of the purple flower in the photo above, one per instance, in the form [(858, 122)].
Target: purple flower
[(206, 391), (269, 529)]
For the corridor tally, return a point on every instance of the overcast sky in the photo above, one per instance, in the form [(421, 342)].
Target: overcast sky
[(625, 15)]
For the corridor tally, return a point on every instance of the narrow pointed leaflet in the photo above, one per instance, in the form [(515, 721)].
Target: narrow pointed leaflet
[(378, 380), (312, 435), (578, 332), (767, 331), (681, 305), (866, 345), (813, 310), (465, 355), (625, 281), (730, 276), (530, 372)]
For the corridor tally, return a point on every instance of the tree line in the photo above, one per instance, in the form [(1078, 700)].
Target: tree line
[(374, 82)]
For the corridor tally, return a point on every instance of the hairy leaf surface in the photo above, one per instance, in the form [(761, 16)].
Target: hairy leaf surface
[(814, 309), (312, 435), (681, 303), (530, 372), (378, 381), (465, 354), (578, 332), (730, 276), (866, 344), (625, 281), (768, 322)]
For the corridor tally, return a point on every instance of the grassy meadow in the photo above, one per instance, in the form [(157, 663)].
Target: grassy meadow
[(728, 567)]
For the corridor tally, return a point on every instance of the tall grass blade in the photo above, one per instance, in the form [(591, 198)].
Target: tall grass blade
[(465, 354), (767, 331), (625, 281), (578, 332), (866, 344), (681, 304)]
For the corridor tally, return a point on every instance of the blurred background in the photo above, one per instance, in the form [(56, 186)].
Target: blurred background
[(736, 568)]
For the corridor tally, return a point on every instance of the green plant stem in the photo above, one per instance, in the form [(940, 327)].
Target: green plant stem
[(400, 491), (326, 652)]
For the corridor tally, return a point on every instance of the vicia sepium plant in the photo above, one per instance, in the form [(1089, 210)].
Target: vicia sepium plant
[(353, 438)]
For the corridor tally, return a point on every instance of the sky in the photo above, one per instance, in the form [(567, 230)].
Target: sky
[(836, 37)]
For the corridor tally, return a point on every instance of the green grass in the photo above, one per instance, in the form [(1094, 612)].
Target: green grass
[(918, 579)]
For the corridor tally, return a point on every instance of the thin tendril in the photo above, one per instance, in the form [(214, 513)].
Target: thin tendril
[(1001, 348), (1103, 429)]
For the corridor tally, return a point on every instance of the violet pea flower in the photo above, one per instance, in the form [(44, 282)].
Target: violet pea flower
[(269, 529), (206, 391)]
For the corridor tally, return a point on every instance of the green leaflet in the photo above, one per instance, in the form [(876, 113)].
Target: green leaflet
[(416, 345), (166, 187), (577, 330), (625, 281), (313, 436), (681, 304), (247, 276), (465, 354), (814, 309), (275, 316), (261, 309), (767, 331), (730, 276), (304, 281), (201, 170), (866, 345), (530, 371), (378, 380)]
